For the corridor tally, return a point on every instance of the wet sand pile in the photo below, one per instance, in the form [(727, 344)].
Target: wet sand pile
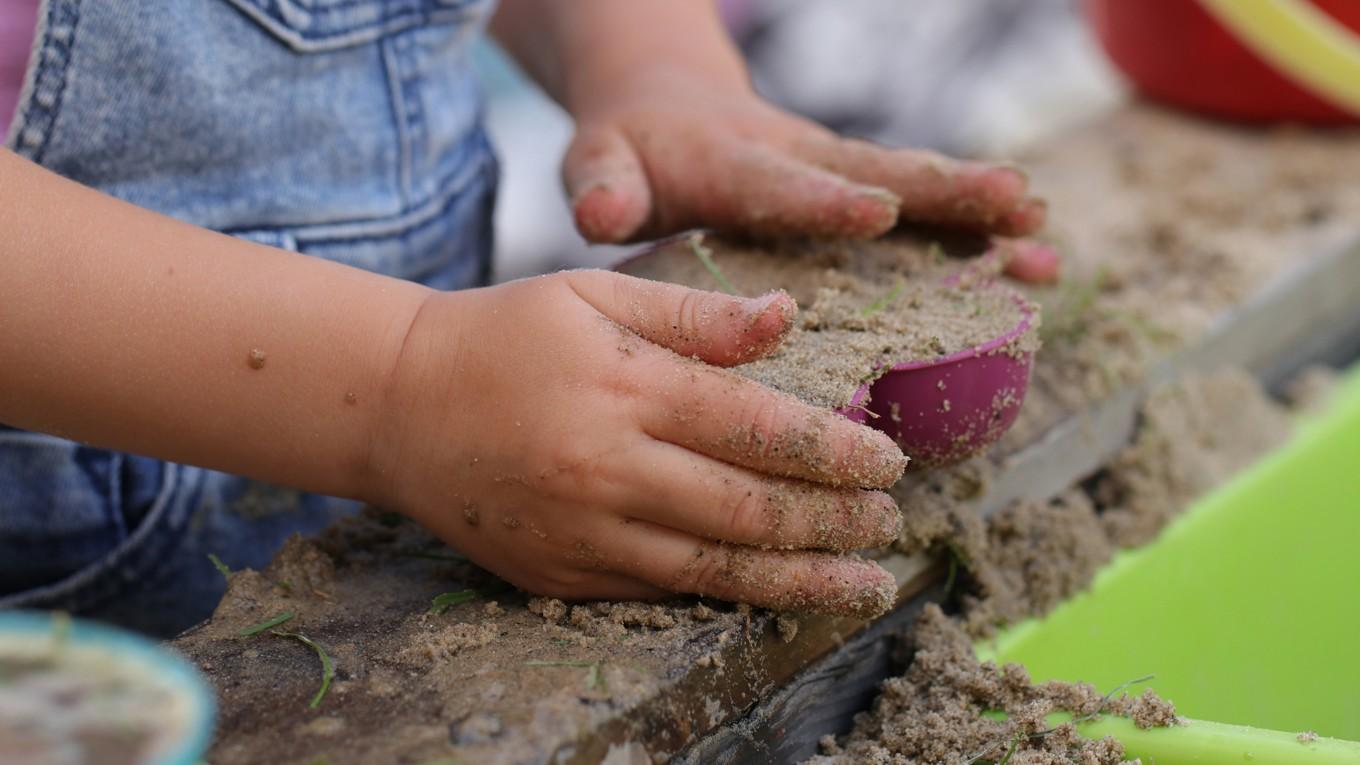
[(1193, 437), (864, 306), (1024, 560), (935, 712)]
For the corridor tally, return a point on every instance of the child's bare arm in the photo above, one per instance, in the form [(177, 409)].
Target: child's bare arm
[(555, 429), (670, 135), (133, 331)]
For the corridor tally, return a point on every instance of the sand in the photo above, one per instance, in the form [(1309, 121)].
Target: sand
[(864, 306), (1193, 436), (934, 712), (75, 702)]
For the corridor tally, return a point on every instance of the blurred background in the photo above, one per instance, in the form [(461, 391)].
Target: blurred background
[(978, 78)]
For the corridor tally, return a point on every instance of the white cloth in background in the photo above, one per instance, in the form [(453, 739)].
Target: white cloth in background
[(976, 78)]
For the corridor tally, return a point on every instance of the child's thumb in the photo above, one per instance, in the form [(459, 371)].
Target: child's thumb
[(606, 185), (720, 329)]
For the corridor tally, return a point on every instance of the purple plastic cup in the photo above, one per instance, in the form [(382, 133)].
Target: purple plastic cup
[(943, 410)]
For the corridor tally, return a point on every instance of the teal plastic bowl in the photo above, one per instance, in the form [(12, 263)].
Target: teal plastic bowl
[(160, 666)]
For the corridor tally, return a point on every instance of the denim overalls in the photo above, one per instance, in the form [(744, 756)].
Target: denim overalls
[(345, 129)]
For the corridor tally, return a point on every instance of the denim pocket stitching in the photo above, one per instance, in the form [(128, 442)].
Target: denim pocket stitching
[(388, 22), (164, 525), (341, 5), (45, 86), (108, 487)]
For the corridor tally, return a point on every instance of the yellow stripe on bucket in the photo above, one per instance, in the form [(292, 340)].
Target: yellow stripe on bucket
[(1301, 41)]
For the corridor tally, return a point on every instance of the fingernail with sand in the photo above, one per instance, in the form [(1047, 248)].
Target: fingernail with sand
[(891, 520), (770, 314), (874, 211), (1026, 217), (869, 590), (881, 460)]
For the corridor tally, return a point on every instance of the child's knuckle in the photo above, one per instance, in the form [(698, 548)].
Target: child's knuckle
[(745, 512)]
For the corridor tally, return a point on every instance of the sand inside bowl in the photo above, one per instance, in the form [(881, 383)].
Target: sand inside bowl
[(864, 306), (68, 702)]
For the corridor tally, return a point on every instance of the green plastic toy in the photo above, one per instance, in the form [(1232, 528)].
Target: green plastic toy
[(1246, 610)]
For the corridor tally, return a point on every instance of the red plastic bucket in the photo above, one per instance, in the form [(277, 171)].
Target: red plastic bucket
[(1218, 59)]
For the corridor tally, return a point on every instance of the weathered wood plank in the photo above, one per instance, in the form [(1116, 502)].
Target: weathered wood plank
[(756, 668), (820, 699)]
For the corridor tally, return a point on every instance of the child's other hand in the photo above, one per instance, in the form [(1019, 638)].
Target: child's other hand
[(665, 150), (560, 432)]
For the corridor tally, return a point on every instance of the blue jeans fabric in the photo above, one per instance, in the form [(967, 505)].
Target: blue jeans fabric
[(343, 129)]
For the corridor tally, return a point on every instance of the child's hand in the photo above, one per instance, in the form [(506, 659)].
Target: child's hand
[(558, 431), (667, 150)]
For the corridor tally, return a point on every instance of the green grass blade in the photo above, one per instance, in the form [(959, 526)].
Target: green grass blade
[(883, 302), (705, 256), (327, 667), (1015, 744), (447, 600), (220, 566), (269, 623), (595, 680)]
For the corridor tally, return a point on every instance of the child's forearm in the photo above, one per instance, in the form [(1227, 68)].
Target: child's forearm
[(579, 50), (129, 330)]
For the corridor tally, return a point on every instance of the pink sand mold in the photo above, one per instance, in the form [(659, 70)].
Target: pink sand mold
[(943, 410)]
